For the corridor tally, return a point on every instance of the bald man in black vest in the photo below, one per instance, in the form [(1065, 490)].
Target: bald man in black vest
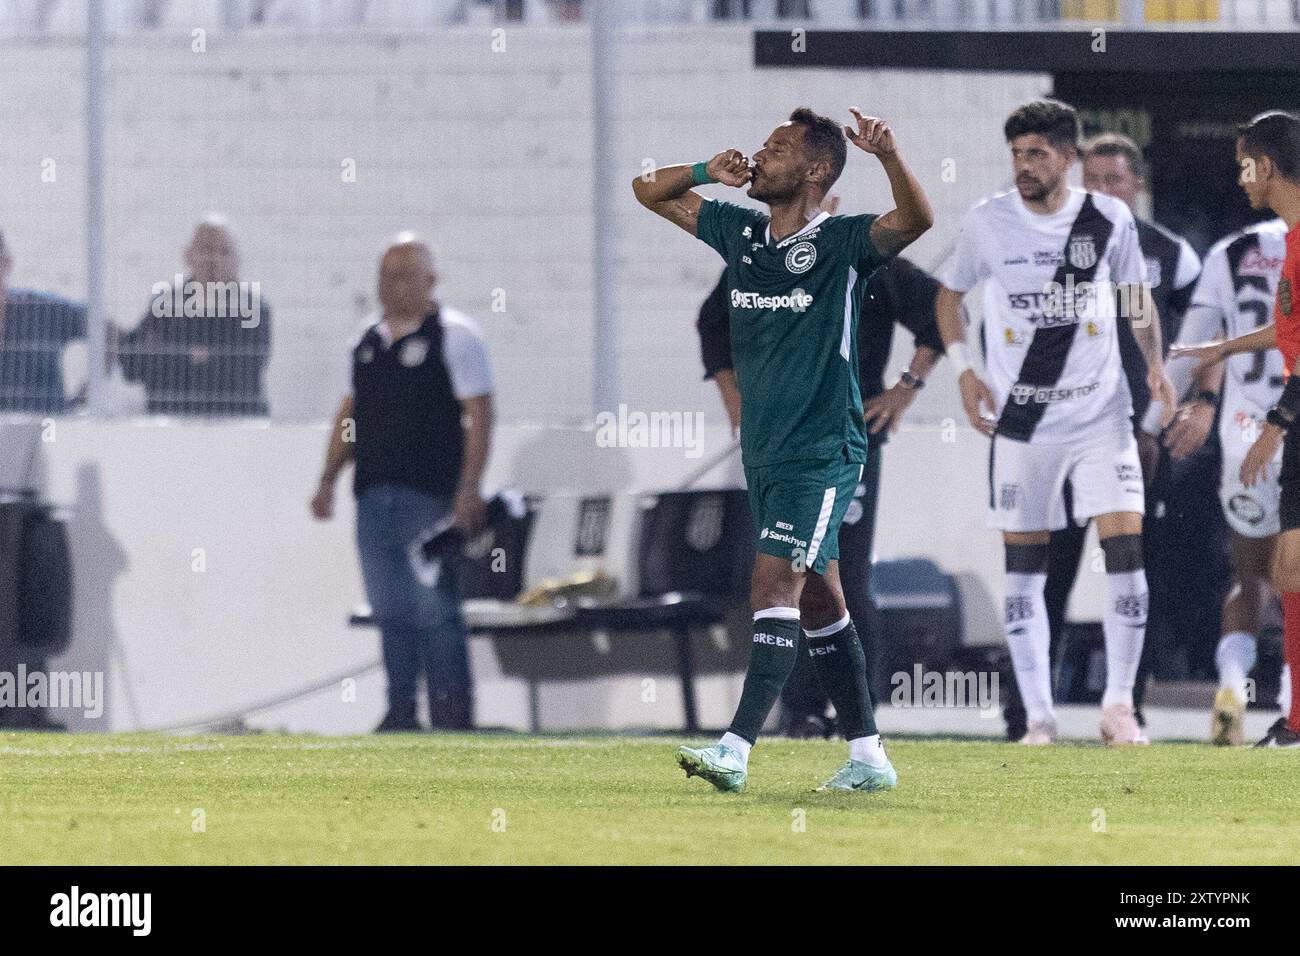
[(417, 426)]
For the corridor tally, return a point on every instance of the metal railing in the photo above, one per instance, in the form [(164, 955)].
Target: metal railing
[(191, 333)]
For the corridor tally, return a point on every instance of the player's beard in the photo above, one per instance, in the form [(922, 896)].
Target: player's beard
[(763, 189), (1034, 190), (769, 196)]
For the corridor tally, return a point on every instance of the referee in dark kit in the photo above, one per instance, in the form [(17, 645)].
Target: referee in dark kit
[(899, 293), (417, 425)]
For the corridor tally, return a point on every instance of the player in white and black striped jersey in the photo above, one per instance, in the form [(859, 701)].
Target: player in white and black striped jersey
[(1054, 261), (1234, 297)]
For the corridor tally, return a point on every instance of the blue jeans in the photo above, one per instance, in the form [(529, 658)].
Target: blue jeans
[(421, 627)]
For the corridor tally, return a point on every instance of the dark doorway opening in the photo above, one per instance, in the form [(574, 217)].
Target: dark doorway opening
[(1186, 124)]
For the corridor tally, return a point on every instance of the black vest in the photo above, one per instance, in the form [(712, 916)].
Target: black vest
[(408, 419)]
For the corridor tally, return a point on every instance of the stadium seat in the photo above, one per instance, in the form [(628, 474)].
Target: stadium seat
[(694, 558), (490, 576), (581, 538), (920, 617), (680, 561), (575, 542), (585, 534), (35, 576)]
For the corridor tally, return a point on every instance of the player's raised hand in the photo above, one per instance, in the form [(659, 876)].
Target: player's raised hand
[(872, 134), (1254, 467), (731, 168), (884, 412), (978, 402), (1206, 354), (1190, 430)]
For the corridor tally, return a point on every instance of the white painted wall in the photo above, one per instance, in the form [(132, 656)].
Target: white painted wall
[(203, 586)]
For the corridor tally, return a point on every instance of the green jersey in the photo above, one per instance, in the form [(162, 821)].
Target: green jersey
[(794, 330)]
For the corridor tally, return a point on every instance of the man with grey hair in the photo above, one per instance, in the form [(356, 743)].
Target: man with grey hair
[(1114, 165), (204, 343), (417, 425)]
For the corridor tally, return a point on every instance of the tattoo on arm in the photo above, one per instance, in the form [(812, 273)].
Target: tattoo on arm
[(888, 239), (684, 211), (668, 194)]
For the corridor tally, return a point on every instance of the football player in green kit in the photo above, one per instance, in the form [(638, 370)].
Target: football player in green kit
[(795, 277)]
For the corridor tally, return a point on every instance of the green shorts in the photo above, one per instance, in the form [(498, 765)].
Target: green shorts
[(797, 507)]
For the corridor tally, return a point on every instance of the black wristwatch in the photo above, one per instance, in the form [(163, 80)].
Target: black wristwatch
[(1276, 417), (908, 380)]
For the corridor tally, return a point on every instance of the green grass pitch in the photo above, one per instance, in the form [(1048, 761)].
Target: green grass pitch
[(507, 799)]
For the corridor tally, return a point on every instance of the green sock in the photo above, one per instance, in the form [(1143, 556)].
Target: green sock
[(771, 659), (842, 668)]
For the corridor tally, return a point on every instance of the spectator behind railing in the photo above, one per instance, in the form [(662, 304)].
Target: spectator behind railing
[(34, 328), (203, 345)]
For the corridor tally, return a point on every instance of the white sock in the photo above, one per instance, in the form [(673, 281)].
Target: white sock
[(1124, 624), (738, 744), (1030, 641), (1235, 656), (1284, 692), (868, 750)]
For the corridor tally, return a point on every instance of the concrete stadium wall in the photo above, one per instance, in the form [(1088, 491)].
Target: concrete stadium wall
[(203, 587)]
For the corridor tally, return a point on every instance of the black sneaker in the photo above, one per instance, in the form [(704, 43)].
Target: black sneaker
[(1017, 723), (399, 722), (1280, 735)]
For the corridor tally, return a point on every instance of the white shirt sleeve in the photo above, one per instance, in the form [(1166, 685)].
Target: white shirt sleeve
[(1189, 265), (466, 356), (966, 266), (1214, 292)]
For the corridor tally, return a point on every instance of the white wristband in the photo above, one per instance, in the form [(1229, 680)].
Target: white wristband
[(1151, 421), (956, 353)]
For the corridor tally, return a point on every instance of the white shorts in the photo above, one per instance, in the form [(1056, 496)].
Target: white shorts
[(1027, 480), (1251, 512)]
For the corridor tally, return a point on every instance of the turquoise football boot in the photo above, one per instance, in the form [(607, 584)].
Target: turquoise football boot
[(722, 766), (856, 775)]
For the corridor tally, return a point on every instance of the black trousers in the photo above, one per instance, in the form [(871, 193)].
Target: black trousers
[(803, 696), (12, 655)]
